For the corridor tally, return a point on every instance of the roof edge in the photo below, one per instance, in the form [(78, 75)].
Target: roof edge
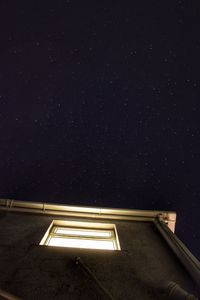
[(87, 211), (188, 260)]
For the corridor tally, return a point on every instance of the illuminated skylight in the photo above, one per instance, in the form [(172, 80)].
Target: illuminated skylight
[(87, 236)]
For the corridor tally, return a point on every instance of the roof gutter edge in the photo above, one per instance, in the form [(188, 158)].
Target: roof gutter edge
[(87, 211), (188, 260)]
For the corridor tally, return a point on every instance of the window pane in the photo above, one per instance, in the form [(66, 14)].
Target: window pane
[(82, 232), (75, 234), (81, 243)]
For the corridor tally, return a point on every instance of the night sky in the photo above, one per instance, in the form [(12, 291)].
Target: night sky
[(99, 105)]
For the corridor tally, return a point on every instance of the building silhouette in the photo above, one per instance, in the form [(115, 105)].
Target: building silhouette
[(51, 251)]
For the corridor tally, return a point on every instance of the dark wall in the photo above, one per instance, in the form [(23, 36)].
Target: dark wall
[(31, 271)]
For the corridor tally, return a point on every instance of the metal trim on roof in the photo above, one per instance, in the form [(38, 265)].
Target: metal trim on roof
[(188, 260), (88, 212)]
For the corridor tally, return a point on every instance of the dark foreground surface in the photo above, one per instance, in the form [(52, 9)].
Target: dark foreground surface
[(138, 271)]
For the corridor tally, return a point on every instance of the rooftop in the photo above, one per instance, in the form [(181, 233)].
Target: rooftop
[(151, 259)]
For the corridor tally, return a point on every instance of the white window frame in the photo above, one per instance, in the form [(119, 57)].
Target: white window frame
[(75, 234)]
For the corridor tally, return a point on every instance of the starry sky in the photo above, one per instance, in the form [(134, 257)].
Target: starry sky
[(99, 105)]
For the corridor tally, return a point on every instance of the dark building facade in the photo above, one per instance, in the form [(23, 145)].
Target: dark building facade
[(64, 252)]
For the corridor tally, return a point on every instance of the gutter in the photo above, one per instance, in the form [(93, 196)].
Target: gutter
[(88, 212), (188, 260)]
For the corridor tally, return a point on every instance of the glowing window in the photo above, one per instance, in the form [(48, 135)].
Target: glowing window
[(86, 235)]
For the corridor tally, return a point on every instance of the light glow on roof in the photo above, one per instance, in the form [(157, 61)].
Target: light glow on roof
[(82, 232), (81, 243)]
